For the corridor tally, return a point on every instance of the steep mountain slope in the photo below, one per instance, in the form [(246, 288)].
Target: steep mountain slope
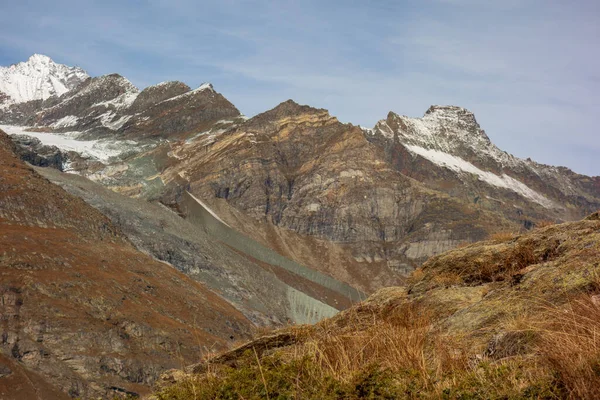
[(39, 78), (299, 168), (82, 308), (448, 151), (267, 289), (515, 317)]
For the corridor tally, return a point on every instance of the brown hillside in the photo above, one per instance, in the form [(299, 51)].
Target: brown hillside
[(84, 310), (516, 317)]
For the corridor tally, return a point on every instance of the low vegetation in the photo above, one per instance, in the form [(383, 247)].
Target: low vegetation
[(511, 319)]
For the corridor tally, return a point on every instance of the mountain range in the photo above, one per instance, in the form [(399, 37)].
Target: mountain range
[(217, 222)]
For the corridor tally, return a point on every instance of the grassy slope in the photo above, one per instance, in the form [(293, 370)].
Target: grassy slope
[(513, 317)]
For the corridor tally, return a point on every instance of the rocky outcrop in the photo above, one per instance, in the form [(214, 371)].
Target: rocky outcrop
[(32, 150)]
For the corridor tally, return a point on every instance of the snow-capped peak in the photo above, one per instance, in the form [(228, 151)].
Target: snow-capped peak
[(38, 79), (449, 136)]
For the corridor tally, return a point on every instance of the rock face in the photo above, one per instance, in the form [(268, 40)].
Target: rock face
[(268, 290), (32, 150), (155, 94), (380, 200), (176, 116), (82, 309), (299, 168)]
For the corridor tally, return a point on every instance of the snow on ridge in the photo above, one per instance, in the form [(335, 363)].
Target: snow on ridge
[(69, 120), (122, 101), (204, 86), (459, 165), (107, 120)]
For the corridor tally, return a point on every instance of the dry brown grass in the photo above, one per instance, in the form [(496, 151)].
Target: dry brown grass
[(502, 236), (570, 344), (397, 342), (464, 244), (447, 279), (544, 223), (524, 338)]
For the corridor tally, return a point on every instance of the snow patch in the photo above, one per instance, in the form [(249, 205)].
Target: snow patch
[(204, 86), (65, 122), (125, 100), (107, 120), (459, 165)]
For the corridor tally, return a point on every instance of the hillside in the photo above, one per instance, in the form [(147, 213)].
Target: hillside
[(513, 317), (85, 313)]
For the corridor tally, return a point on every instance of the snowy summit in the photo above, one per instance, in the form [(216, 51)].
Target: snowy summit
[(38, 79)]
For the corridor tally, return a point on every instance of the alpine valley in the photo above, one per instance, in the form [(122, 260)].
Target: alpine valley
[(141, 230)]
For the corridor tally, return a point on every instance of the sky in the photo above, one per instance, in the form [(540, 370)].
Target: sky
[(528, 69)]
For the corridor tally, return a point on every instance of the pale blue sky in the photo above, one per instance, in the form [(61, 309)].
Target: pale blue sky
[(528, 69)]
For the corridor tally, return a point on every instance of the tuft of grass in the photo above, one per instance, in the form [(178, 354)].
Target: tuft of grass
[(501, 237), (570, 345), (544, 223)]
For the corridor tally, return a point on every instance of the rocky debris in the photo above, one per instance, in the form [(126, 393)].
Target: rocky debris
[(4, 371), (32, 150), (251, 286)]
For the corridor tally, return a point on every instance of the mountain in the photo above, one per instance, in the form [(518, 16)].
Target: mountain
[(111, 106), (298, 168), (39, 78), (287, 217), (513, 317), (84, 312), (448, 151)]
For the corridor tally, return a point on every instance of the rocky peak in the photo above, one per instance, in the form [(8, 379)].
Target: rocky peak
[(38, 79), (107, 92), (442, 128), (155, 94), (287, 109), (451, 113)]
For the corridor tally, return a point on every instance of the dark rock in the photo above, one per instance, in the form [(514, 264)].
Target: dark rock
[(31, 150)]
